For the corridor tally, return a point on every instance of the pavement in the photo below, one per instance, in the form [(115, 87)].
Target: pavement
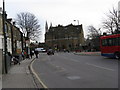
[(20, 76), (88, 53)]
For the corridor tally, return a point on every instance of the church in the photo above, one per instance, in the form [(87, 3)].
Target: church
[(70, 37)]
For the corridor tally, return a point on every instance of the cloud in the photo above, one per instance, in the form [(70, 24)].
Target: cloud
[(62, 11)]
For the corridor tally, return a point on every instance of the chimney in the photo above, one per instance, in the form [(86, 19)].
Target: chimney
[(5, 15), (9, 19)]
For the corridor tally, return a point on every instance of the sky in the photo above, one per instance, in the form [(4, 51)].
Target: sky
[(63, 12)]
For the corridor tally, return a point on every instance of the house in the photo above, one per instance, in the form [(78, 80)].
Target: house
[(13, 42), (1, 43)]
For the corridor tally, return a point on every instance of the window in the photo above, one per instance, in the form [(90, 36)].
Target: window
[(114, 41), (110, 42), (104, 42), (118, 41)]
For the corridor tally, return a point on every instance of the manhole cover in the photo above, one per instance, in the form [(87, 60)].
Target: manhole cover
[(73, 77)]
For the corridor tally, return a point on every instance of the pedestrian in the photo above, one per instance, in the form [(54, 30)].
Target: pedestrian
[(28, 53), (36, 53), (31, 53), (23, 55), (10, 56)]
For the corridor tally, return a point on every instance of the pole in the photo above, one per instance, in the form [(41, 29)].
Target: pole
[(5, 41), (77, 21)]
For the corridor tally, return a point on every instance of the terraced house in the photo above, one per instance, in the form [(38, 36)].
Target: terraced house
[(14, 42), (1, 43)]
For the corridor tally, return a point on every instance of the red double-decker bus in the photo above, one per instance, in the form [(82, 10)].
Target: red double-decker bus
[(110, 46)]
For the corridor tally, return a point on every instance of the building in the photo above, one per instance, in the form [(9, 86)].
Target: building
[(13, 41), (70, 37), (1, 43)]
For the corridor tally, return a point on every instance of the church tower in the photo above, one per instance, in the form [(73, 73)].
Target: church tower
[(46, 27)]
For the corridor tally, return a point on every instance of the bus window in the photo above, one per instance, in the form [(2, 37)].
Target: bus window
[(104, 42), (118, 41), (114, 41), (110, 41)]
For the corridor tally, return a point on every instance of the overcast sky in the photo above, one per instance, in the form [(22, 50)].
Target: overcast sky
[(64, 12)]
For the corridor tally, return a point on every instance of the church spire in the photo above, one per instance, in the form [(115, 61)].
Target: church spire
[(46, 27), (51, 24)]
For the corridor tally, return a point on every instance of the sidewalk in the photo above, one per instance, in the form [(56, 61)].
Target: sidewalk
[(88, 53), (19, 76)]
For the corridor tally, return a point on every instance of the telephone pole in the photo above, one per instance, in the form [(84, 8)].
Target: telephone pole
[(5, 38)]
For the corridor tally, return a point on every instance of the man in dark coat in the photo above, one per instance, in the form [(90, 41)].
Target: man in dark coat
[(36, 53)]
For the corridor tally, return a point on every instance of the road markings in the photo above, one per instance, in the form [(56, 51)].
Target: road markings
[(40, 81), (100, 67), (70, 59), (74, 77)]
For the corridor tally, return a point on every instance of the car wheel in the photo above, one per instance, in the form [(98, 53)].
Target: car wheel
[(117, 55)]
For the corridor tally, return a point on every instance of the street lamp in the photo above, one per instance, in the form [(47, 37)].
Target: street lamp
[(52, 37), (77, 21), (5, 38)]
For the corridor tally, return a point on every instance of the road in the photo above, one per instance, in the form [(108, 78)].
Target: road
[(66, 70)]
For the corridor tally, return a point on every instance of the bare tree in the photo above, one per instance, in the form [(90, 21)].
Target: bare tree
[(108, 24), (93, 32), (29, 25), (111, 23), (93, 39)]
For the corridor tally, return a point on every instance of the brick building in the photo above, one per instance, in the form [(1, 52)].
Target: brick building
[(70, 37)]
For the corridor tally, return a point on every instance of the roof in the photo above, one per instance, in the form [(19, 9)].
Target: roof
[(110, 36)]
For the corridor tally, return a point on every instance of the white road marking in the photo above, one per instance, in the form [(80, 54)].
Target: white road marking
[(40, 81), (90, 64), (70, 59), (73, 77), (100, 67)]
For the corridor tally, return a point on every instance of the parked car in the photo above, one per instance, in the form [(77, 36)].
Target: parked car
[(50, 52), (40, 49), (43, 50)]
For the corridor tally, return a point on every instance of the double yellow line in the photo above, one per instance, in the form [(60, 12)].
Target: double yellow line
[(36, 75)]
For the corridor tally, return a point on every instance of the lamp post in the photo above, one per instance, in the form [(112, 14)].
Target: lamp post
[(52, 38), (5, 38), (77, 21)]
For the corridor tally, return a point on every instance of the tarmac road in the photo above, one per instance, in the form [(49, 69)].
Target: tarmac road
[(66, 70)]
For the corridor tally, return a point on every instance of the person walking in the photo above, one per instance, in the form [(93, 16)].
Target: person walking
[(10, 56), (23, 55), (31, 53), (36, 53)]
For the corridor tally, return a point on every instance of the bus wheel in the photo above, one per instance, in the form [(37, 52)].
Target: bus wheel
[(117, 55)]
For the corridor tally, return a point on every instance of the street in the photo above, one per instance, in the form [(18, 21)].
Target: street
[(67, 70)]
